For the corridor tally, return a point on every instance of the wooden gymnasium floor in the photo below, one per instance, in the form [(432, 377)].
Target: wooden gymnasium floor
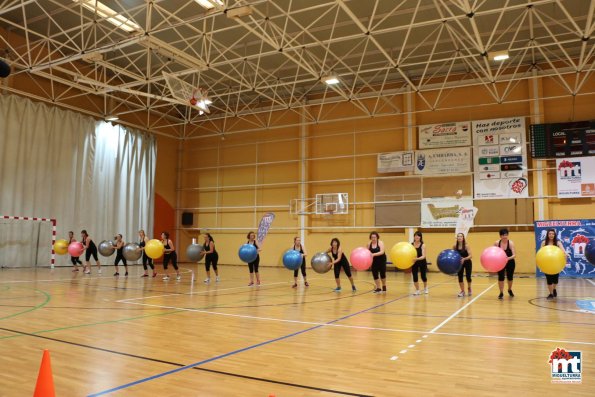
[(146, 337)]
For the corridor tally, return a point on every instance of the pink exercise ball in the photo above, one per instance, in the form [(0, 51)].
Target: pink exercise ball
[(361, 258), (493, 259), (75, 249)]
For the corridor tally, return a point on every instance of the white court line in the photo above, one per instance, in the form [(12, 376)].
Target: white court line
[(197, 293), (363, 327), (591, 281), (50, 280), (436, 328)]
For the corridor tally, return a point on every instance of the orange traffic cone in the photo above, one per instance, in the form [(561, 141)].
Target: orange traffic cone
[(45, 381)]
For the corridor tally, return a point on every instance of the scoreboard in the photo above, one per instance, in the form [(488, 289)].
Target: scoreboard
[(575, 139)]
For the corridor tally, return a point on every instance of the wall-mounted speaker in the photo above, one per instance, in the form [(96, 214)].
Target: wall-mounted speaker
[(187, 218)]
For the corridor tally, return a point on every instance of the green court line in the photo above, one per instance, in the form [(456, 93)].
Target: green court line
[(42, 304)]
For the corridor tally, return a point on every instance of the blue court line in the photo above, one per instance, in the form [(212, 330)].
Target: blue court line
[(189, 366)]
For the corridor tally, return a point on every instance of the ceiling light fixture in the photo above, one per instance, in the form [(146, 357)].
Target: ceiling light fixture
[(110, 15), (499, 55), (331, 79), (112, 117), (209, 4)]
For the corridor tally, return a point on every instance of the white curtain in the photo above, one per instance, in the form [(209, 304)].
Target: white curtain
[(60, 164)]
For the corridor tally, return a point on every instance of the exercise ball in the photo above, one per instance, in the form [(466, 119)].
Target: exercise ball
[(195, 252), (61, 247), (76, 249), (590, 252), (361, 258), (154, 249), (493, 259), (403, 255), (247, 253), (550, 259), (321, 262), (4, 69), (449, 262), (292, 259), (106, 248), (132, 252)]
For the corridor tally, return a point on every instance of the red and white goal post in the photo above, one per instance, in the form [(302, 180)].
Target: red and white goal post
[(31, 218)]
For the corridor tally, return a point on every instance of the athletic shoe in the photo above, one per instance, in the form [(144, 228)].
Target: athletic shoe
[(116, 274), (338, 289), (217, 279), (154, 274), (251, 284), (417, 292), (126, 274), (178, 277), (377, 291), (294, 286), (501, 296), (353, 288), (426, 291), (510, 293), (461, 294), (87, 271), (145, 275), (99, 271), (207, 280), (75, 269), (165, 278), (550, 297), (469, 292), (306, 284), (258, 283), (384, 290), (555, 293)]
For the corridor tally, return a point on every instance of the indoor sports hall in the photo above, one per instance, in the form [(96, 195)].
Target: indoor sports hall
[(283, 198)]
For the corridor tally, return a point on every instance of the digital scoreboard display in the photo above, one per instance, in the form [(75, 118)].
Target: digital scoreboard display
[(575, 139)]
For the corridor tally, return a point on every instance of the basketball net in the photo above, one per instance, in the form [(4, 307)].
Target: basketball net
[(465, 220)]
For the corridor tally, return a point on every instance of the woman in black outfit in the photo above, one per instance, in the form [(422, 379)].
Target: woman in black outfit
[(90, 251), (464, 250), (376, 247), (551, 238), (146, 260), (120, 255), (169, 254), (211, 258), (420, 265), (339, 260), (253, 266), (510, 265), (74, 259), (297, 245)]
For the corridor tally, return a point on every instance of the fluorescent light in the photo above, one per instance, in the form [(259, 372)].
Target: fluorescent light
[(330, 80), (111, 117), (208, 4), (499, 56), (110, 15)]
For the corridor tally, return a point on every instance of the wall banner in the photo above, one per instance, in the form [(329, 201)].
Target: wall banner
[(443, 212), (576, 177), (443, 161), (444, 135)]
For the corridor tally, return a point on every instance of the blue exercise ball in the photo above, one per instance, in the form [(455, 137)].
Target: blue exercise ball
[(247, 253), (590, 252), (292, 259), (449, 262)]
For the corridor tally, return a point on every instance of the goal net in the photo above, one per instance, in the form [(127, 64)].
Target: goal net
[(26, 241)]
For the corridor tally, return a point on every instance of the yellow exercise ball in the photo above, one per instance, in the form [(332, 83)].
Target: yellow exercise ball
[(550, 259), (61, 247), (154, 249), (403, 255)]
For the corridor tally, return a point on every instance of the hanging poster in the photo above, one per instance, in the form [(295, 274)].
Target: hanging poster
[(443, 212), (574, 235), (444, 135), (500, 158), (443, 161), (576, 177), (395, 162)]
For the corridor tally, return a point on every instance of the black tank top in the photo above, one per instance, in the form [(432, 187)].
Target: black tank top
[(119, 250), (207, 248), (142, 243), (507, 250), (463, 252), (377, 259), (166, 246), (420, 253), (301, 250), (343, 258), (92, 246)]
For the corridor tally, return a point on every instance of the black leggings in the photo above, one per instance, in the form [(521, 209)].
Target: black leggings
[(147, 261), (253, 266), (75, 260), (120, 257), (173, 257), (509, 270), (552, 278), (345, 266), (421, 267), (379, 268), (91, 253), (211, 259), (303, 268), (467, 266)]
